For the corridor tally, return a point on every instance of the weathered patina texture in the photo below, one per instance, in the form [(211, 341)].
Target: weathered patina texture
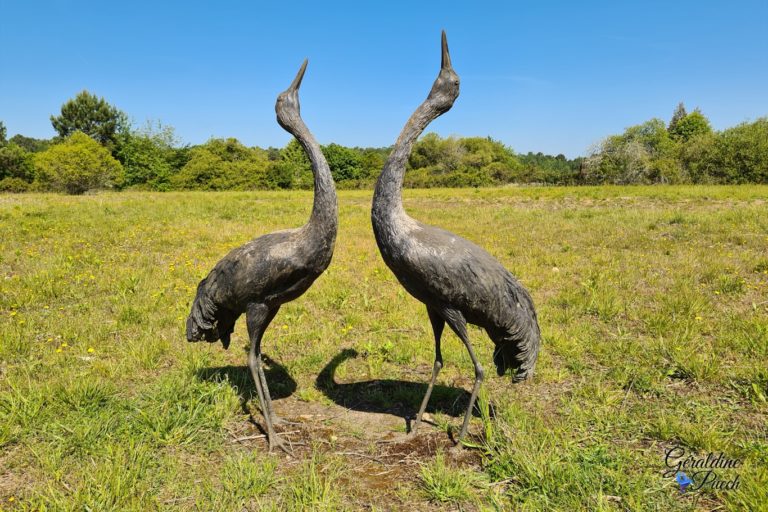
[(260, 276), (458, 281)]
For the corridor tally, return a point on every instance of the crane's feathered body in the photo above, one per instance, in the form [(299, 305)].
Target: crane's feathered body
[(443, 269), (260, 276), (273, 269), (458, 281)]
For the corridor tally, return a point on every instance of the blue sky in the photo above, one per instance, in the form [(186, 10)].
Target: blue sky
[(542, 76)]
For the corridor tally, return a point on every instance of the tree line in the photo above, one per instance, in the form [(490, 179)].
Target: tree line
[(97, 148)]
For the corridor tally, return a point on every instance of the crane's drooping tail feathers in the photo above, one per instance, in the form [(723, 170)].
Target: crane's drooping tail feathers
[(205, 322), (518, 348)]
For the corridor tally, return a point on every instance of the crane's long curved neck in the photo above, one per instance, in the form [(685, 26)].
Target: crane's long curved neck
[(324, 216), (387, 198)]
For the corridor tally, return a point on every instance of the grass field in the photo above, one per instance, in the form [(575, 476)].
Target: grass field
[(653, 305)]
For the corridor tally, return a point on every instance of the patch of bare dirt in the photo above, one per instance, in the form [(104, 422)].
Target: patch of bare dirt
[(378, 455)]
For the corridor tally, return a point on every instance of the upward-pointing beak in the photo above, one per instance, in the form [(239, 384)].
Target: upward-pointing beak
[(446, 62), (297, 81)]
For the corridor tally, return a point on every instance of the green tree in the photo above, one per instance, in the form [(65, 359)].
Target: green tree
[(223, 164), (149, 157), (93, 116), (689, 126), (76, 165), (294, 166), (280, 175), (677, 115), (635, 156), (30, 144), (698, 156), (555, 170), (741, 154), (345, 163), (372, 160), (16, 168), (461, 162), (16, 163), (3, 134), (439, 155)]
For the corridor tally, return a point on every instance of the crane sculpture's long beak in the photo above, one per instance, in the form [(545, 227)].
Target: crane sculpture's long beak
[(446, 62), (299, 76)]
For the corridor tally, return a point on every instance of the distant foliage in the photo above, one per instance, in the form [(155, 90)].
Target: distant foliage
[(552, 170), (223, 164), (685, 151), (77, 165), (93, 116), (151, 157), (677, 115), (14, 185), (16, 163), (741, 154), (642, 154), (345, 163), (291, 168), (461, 162), (690, 126), (30, 144)]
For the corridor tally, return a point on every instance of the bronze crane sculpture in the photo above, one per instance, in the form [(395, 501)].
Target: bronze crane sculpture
[(458, 281), (260, 276)]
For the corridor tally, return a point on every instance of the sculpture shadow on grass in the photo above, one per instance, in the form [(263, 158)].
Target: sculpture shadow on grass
[(389, 396), (281, 385)]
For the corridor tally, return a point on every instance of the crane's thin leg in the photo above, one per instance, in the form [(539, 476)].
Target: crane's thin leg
[(459, 325), (437, 328), (258, 317), (276, 420)]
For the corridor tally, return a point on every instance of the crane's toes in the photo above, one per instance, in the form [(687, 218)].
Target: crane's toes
[(275, 441), (277, 420)]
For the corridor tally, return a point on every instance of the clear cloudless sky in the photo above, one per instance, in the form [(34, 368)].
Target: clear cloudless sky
[(542, 76)]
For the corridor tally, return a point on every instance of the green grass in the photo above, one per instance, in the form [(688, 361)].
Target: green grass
[(652, 303), (441, 483)]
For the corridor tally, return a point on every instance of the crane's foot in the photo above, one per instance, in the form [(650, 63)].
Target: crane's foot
[(413, 433), (277, 420), (276, 442)]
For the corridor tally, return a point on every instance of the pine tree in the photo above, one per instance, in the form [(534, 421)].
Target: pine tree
[(678, 115), (94, 117)]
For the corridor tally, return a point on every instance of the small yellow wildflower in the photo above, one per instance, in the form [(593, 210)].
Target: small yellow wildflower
[(50, 339), (91, 350), (64, 344), (58, 350), (285, 326), (698, 318), (14, 313)]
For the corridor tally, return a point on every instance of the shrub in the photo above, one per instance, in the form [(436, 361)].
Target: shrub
[(16, 163), (14, 185), (223, 164), (77, 165)]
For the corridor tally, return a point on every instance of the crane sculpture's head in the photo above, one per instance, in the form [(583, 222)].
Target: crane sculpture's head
[(445, 90), (287, 107)]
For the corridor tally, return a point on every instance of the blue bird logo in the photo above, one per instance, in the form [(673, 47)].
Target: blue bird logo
[(683, 480)]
